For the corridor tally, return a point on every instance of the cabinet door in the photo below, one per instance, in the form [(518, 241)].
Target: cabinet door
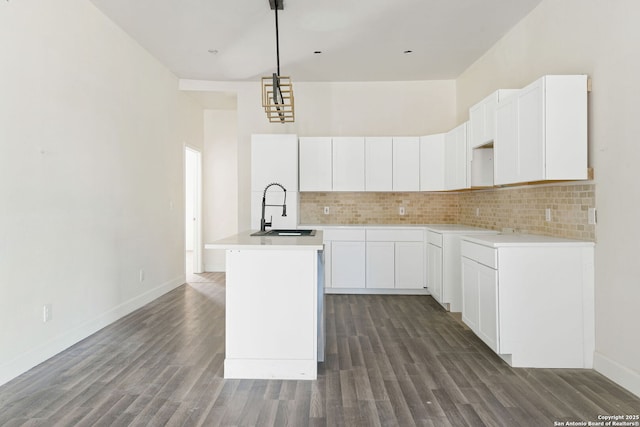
[(406, 164), (348, 264), (490, 106), (315, 164), (470, 305), (482, 118), (434, 271), (477, 123), (530, 138), (432, 162), (348, 164), (380, 265), (410, 265), (505, 147), (378, 164), (328, 266), (488, 306), (455, 154), (274, 158), (480, 301)]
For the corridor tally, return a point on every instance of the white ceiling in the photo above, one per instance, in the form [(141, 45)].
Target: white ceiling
[(360, 40)]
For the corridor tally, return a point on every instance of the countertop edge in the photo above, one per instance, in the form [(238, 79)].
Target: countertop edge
[(244, 240), (528, 240)]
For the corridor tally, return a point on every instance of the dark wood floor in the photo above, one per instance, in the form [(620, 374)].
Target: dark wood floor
[(391, 361)]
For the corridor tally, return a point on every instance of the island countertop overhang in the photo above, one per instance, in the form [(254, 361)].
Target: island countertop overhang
[(244, 240)]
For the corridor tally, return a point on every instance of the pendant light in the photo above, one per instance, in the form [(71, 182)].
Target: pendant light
[(277, 90)]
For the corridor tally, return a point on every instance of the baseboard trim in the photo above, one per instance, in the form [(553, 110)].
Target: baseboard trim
[(617, 373), (373, 291), (214, 268), (41, 353), (271, 369)]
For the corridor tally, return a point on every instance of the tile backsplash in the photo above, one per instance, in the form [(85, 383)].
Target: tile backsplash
[(521, 208), (378, 208)]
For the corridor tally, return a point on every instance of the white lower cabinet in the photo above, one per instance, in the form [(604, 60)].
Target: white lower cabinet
[(443, 262), (470, 305), (480, 301), (488, 306), (434, 271), (375, 260), (344, 254), (410, 265), (380, 265), (348, 264), (531, 298)]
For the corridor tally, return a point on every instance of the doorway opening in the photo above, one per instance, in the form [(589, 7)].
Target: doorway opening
[(193, 210)]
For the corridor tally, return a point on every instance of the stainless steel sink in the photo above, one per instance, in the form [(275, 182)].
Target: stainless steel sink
[(283, 232)]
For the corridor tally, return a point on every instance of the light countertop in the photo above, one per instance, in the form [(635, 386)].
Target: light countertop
[(339, 226), (244, 240), (505, 240), (457, 228), (439, 228)]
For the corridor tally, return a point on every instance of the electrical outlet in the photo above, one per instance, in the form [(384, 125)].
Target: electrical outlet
[(326, 210), (401, 210), (47, 313), (141, 275), (593, 216), (547, 214)]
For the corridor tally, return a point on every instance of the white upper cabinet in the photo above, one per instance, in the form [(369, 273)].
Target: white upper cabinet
[(406, 164), (541, 132), (274, 158), (432, 162), (482, 118), (481, 166), (348, 164), (315, 164), (456, 166), (481, 134), (378, 163)]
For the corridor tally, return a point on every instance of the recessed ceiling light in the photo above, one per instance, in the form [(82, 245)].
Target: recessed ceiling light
[(407, 52), (317, 52)]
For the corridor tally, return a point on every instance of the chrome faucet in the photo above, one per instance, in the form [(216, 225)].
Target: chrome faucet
[(264, 224)]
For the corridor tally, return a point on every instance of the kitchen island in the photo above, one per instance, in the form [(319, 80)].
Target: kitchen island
[(274, 306)]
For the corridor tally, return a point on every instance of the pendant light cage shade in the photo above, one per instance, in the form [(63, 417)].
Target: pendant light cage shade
[(277, 99)]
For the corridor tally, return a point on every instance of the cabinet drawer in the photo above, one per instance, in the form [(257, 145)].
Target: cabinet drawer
[(394, 235), (344, 234), (482, 254), (434, 238)]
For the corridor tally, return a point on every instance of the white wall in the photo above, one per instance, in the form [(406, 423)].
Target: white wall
[(340, 109), (220, 168), (599, 38), (91, 177), (190, 189)]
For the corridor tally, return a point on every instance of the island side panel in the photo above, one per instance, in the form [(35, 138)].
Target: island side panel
[(271, 314)]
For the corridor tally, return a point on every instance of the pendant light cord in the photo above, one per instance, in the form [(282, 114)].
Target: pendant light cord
[(277, 38)]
